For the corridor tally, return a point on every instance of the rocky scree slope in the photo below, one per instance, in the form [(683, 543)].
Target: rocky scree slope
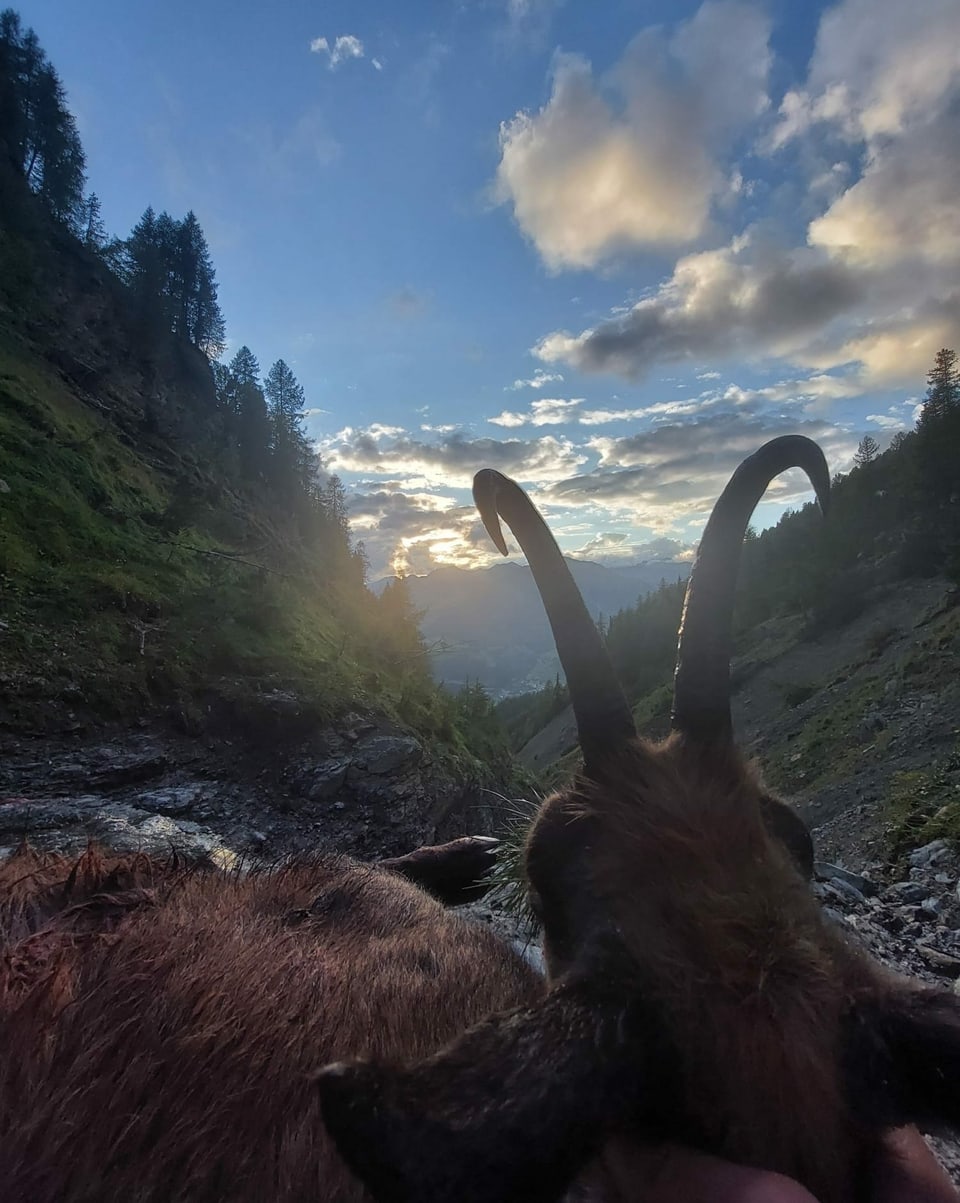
[(362, 786)]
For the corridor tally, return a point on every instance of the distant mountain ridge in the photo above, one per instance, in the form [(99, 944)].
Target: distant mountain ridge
[(491, 624)]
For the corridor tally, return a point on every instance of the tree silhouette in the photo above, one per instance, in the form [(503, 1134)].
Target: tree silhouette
[(91, 229), (197, 315), (244, 367), (938, 429), (867, 451), (166, 263), (286, 401), (943, 387), (39, 131)]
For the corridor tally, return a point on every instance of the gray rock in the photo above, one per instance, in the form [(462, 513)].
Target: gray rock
[(281, 702), (931, 906), (905, 892), (872, 722), (837, 891), (835, 916), (930, 854), (327, 778), (828, 872), (385, 753), (176, 800), (26, 817), (943, 962), (532, 953), (842, 888)]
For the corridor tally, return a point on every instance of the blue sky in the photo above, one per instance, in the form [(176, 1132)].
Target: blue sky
[(607, 248)]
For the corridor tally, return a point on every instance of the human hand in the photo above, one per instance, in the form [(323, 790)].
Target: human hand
[(905, 1171)]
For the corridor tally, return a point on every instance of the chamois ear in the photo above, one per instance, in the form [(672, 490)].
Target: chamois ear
[(507, 1114), (912, 1039), (785, 825)]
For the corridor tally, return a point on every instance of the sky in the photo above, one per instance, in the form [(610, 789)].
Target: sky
[(606, 248)]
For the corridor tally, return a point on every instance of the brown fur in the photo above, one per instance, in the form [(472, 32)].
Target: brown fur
[(749, 981), (697, 994), (159, 1026)]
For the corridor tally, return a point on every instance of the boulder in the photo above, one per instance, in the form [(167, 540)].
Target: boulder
[(381, 754), (930, 854), (327, 777)]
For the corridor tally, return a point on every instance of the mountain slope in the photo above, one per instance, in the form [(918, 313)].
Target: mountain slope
[(489, 624), (139, 576)]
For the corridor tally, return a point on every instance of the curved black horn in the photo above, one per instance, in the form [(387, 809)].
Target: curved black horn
[(603, 717), (701, 695)]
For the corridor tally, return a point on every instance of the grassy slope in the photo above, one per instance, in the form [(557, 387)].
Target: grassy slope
[(108, 616), (815, 741), (88, 576)]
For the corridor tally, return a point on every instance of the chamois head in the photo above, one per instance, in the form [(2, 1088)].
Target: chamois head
[(696, 993)]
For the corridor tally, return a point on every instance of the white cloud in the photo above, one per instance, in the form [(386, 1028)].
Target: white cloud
[(743, 298), (344, 48), (659, 409), (510, 420), (669, 478), (905, 205), (896, 351), (546, 411), (617, 547), (380, 431), (539, 380), (415, 531), (873, 293), (452, 460), (887, 421), (879, 68), (558, 412), (634, 159)]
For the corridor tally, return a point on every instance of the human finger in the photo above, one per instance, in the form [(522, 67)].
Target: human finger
[(668, 1173)]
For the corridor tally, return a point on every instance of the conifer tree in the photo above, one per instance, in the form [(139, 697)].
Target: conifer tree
[(245, 401), (209, 332), (286, 401), (244, 367), (93, 234), (867, 451), (143, 271), (938, 429), (253, 431), (39, 131), (196, 314), (335, 505), (167, 265), (943, 387), (400, 619)]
